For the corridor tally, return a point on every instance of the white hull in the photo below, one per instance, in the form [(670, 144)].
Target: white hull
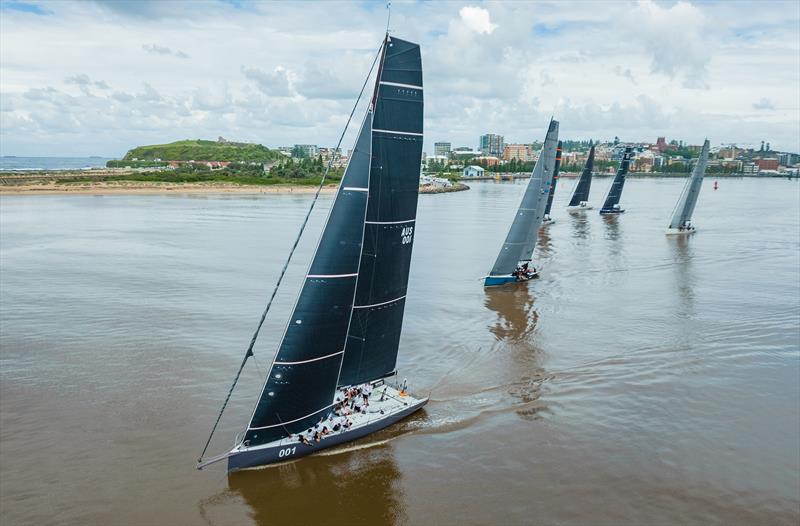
[(579, 208), (684, 232)]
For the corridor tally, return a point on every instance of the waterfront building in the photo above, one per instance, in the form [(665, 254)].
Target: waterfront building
[(770, 163), (520, 152), (311, 150), (661, 144), (487, 160), (473, 171), (442, 148), (491, 144)]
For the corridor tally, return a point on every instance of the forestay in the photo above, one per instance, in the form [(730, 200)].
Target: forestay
[(691, 191)]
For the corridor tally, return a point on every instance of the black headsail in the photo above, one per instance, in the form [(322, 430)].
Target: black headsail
[(374, 336), (302, 379), (363, 256), (581, 194), (553, 181), (615, 192)]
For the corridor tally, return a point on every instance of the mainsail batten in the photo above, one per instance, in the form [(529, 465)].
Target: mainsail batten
[(691, 191), (581, 193), (374, 335)]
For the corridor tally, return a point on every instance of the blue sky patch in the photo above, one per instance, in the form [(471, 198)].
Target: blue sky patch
[(24, 7)]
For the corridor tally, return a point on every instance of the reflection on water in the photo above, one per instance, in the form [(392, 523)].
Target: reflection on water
[(684, 278), (544, 248), (516, 315), (357, 487), (581, 228), (515, 329)]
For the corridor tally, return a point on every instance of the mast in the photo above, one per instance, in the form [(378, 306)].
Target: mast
[(553, 182), (615, 192), (373, 337), (691, 191), (581, 194), (522, 236)]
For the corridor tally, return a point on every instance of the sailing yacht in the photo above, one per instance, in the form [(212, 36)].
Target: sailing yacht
[(611, 205), (580, 197), (682, 216), (546, 220), (341, 341), (513, 261)]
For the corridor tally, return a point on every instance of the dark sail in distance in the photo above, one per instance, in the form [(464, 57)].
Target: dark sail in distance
[(615, 192), (581, 194), (553, 182)]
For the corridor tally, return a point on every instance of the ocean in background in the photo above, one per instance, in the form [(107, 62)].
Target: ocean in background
[(11, 163)]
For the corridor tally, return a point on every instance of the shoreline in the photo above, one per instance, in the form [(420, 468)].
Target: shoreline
[(156, 188)]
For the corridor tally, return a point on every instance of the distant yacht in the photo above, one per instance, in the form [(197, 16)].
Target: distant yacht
[(611, 206), (513, 261), (580, 197), (547, 219), (682, 216)]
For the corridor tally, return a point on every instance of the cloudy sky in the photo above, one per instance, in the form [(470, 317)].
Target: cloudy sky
[(97, 78)]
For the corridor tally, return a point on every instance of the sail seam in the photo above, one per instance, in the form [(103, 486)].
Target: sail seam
[(331, 275), (311, 360), (390, 222), (378, 304), (399, 85), (290, 421), (415, 134)]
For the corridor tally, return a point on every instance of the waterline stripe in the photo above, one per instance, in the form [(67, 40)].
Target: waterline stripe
[(311, 360), (399, 85), (331, 275), (415, 134), (355, 189), (377, 304)]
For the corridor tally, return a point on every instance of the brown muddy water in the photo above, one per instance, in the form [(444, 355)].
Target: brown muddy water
[(641, 380)]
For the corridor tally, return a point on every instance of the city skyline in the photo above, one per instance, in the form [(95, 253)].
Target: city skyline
[(288, 74)]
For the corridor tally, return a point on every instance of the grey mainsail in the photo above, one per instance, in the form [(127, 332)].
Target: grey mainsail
[(522, 235), (691, 190)]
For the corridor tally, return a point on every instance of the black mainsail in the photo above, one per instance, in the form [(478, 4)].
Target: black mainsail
[(345, 325), (682, 217), (374, 336), (611, 206), (521, 238), (553, 183), (580, 197)]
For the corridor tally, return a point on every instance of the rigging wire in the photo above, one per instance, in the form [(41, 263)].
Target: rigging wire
[(249, 351)]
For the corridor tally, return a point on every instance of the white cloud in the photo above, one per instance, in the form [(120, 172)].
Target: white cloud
[(155, 49), (284, 73), (477, 19)]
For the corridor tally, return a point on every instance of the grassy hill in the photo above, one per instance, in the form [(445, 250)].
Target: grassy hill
[(199, 150)]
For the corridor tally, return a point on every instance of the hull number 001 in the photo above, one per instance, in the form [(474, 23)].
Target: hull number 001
[(286, 452)]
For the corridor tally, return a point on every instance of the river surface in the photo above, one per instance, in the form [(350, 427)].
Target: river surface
[(641, 380)]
